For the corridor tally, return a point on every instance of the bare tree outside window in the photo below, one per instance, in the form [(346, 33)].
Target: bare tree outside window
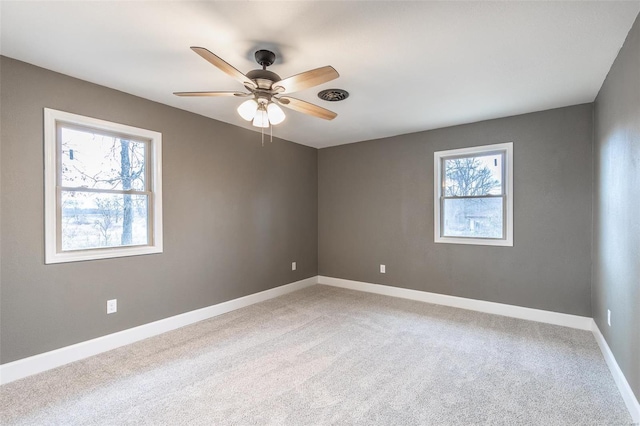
[(103, 185), (472, 176)]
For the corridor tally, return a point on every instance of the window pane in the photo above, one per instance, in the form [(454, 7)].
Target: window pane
[(471, 176), (93, 220), (92, 160), (473, 217)]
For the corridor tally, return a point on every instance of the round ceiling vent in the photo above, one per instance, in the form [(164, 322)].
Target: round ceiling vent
[(333, 95)]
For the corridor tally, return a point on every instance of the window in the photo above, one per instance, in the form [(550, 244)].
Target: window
[(103, 195), (474, 195)]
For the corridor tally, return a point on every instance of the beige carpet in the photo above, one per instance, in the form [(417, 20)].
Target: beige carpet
[(331, 356)]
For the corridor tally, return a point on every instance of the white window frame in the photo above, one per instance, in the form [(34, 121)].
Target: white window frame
[(52, 189), (438, 182)]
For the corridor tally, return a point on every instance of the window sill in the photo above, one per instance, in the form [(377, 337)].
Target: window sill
[(106, 253), (474, 241)]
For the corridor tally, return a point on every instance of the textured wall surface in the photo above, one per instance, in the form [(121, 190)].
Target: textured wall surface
[(236, 215), (616, 208), (376, 207)]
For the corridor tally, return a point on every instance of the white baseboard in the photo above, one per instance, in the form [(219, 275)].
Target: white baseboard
[(38, 363), (625, 390), (556, 318)]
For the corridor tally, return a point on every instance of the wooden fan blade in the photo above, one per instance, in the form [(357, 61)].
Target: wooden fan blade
[(223, 66), (307, 79), (306, 108), (211, 94)]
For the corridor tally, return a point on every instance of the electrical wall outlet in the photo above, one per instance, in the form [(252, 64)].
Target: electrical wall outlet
[(112, 306), (383, 269), (293, 266), (609, 317)]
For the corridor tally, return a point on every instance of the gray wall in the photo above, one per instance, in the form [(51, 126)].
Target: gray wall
[(235, 216), (616, 208), (376, 206)]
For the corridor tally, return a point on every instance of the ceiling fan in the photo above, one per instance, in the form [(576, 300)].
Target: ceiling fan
[(267, 90)]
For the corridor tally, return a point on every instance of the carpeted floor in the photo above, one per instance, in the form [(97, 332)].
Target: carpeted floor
[(325, 355)]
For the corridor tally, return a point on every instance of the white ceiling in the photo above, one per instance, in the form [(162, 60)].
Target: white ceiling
[(409, 66)]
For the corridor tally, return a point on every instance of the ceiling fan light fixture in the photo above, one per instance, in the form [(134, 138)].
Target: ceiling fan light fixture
[(265, 89), (275, 114), (261, 119), (247, 109)]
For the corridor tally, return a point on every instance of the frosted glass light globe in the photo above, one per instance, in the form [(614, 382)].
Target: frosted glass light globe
[(247, 109), (275, 113), (261, 119)]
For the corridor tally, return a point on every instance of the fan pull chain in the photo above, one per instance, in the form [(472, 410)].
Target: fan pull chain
[(271, 132), (262, 131)]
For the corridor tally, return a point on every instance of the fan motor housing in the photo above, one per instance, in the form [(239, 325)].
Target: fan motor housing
[(263, 78)]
